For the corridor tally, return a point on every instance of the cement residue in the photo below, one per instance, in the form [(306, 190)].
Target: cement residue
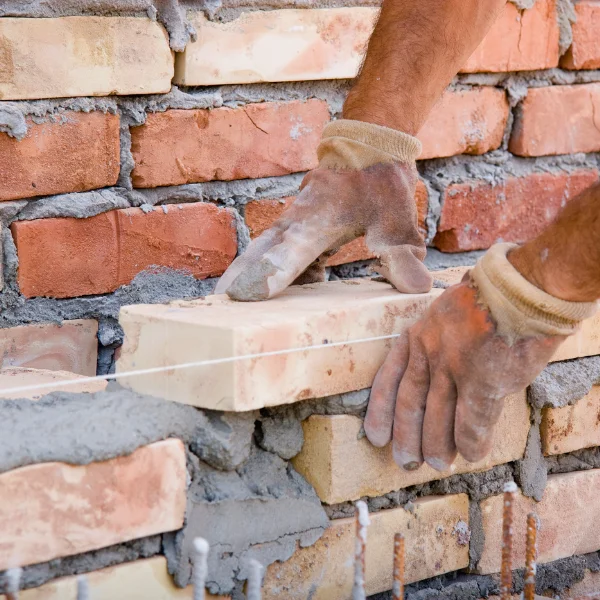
[(36, 575), (564, 383), (477, 541), (437, 261), (12, 122), (84, 428), (282, 435), (532, 472), (265, 502), (566, 16)]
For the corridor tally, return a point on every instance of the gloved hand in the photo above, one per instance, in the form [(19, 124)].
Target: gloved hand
[(440, 389), (364, 185)]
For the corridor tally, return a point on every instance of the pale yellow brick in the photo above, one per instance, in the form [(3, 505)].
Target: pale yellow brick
[(574, 427), (83, 56), (567, 514), (139, 580), (15, 377), (451, 276), (53, 509), (277, 45), (343, 467), (586, 342), (70, 346), (216, 327), (325, 571)]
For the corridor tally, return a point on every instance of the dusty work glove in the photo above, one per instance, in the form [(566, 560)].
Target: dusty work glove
[(364, 185), (440, 389)]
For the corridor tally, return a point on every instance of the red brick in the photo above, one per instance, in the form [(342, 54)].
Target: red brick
[(261, 214), (558, 120), (258, 140), (584, 53), (519, 41), (81, 153), (71, 346), (465, 122), (477, 214), (63, 258)]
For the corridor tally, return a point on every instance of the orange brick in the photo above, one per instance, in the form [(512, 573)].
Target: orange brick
[(261, 214), (558, 120), (566, 512), (258, 140), (519, 41), (584, 53), (53, 509), (465, 122), (71, 346), (74, 257), (81, 153), (477, 214)]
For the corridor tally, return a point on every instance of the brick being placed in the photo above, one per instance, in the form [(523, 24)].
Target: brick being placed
[(83, 56), (215, 327), (51, 510), (436, 541)]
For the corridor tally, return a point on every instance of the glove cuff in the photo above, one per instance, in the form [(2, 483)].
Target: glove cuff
[(519, 308), (347, 144)]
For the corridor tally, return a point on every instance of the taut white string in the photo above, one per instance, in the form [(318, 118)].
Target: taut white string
[(188, 365)]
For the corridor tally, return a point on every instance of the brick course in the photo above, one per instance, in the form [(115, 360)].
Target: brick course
[(258, 140), (325, 571), (78, 154), (573, 111), (63, 258), (53, 509), (476, 214)]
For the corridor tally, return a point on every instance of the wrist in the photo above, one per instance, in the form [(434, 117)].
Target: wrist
[(541, 268)]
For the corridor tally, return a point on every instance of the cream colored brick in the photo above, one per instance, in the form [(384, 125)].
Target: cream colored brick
[(15, 377), (343, 467), (216, 327), (277, 45), (586, 342), (451, 276), (567, 514), (71, 346), (574, 427), (139, 580), (53, 509), (83, 56), (325, 571), (589, 586)]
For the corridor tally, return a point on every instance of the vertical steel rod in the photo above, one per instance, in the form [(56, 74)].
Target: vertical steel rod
[(362, 522), (506, 572), (398, 588), (530, 557)]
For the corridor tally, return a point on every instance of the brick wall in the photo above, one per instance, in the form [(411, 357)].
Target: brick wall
[(136, 161)]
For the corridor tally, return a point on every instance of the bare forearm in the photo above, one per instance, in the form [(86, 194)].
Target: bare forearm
[(564, 260), (416, 49)]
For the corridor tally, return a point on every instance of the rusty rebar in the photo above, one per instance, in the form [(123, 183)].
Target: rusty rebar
[(360, 548), (530, 557), (13, 583), (507, 520), (398, 587)]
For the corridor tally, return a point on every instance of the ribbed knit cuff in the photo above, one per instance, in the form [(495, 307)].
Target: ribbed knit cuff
[(347, 144), (519, 308)]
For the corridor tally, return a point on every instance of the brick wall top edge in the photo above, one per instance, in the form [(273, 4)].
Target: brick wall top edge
[(131, 56)]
